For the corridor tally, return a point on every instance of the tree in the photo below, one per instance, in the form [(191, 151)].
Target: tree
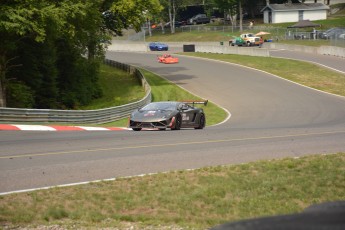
[(38, 37), (171, 8), (20, 21), (133, 12), (25, 24), (169, 13), (229, 8)]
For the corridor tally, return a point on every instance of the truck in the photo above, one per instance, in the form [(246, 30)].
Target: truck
[(250, 39), (237, 41)]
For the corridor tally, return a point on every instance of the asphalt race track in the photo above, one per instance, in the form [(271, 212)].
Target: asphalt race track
[(270, 118)]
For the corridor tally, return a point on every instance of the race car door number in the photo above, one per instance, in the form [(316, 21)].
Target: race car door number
[(185, 117)]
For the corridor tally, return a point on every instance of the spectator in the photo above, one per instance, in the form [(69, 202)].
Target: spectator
[(261, 42), (251, 24)]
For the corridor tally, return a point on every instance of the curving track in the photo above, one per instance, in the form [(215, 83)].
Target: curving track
[(270, 118)]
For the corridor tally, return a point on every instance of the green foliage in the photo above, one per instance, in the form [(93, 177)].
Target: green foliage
[(37, 70), (55, 47), (134, 12), (20, 95), (77, 78)]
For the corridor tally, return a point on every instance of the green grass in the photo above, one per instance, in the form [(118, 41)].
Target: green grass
[(119, 87), (196, 199)]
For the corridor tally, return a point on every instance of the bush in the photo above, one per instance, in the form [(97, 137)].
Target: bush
[(19, 95)]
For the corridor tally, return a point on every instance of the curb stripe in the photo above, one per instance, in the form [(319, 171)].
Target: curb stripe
[(14, 127), (8, 127), (66, 128), (35, 128), (118, 128), (92, 128)]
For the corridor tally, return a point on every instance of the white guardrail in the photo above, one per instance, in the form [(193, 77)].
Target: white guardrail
[(99, 116)]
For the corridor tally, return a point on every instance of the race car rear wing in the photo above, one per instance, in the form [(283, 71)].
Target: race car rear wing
[(196, 102)]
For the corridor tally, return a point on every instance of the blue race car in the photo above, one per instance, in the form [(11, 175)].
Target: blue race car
[(157, 46)]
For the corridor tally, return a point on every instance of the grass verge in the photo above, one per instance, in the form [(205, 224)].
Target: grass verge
[(196, 199)]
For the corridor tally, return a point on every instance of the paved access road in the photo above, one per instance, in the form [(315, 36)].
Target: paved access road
[(270, 118)]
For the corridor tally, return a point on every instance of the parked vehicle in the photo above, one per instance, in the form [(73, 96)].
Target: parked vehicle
[(237, 41), (199, 19), (251, 39), (177, 24), (331, 33)]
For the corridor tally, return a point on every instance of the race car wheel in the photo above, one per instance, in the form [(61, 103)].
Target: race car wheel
[(136, 129), (162, 129), (178, 121), (202, 122)]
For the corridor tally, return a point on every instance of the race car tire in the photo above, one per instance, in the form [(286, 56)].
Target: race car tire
[(202, 122), (162, 129), (178, 121), (136, 129)]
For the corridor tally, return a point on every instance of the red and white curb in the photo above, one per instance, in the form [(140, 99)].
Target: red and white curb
[(13, 127)]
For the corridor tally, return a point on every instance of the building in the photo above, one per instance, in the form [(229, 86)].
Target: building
[(288, 12)]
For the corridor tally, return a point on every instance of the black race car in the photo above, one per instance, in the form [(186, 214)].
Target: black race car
[(168, 114)]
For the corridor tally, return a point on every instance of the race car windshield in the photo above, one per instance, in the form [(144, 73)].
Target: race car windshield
[(160, 106)]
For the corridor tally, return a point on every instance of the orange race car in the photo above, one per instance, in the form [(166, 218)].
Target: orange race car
[(167, 59)]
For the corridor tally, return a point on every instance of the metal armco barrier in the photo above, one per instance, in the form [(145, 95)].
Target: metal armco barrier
[(80, 116)]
